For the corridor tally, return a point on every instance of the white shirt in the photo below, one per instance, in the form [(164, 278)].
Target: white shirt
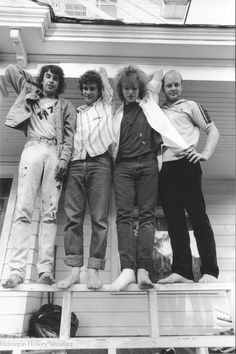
[(188, 118), (42, 123), (94, 130)]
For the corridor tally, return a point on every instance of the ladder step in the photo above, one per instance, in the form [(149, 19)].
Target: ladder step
[(117, 342)]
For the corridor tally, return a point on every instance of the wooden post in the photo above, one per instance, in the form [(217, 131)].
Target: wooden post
[(65, 316), (153, 313), (231, 301)]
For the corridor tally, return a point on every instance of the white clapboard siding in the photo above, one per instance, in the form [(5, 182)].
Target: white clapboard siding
[(220, 202), (119, 314)]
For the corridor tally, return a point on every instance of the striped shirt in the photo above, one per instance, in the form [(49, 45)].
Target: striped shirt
[(189, 118), (94, 130)]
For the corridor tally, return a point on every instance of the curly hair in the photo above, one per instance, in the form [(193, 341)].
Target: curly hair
[(134, 77), (55, 70), (91, 77)]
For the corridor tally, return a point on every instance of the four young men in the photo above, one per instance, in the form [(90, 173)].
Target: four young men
[(53, 140)]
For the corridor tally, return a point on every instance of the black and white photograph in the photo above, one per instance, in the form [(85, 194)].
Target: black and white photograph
[(117, 176)]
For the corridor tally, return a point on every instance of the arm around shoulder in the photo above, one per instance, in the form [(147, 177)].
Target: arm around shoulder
[(107, 89)]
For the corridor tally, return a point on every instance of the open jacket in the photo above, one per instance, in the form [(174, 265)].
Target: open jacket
[(156, 119), (21, 110)]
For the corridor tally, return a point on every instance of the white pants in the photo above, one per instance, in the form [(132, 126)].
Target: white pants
[(37, 168)]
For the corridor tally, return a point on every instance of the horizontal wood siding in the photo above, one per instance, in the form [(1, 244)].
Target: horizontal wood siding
[(106, 314), (220, 202)]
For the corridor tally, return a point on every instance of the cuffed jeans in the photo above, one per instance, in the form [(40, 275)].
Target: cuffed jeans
[(88, 179), (136, 177), (180, 189), (37, 167)]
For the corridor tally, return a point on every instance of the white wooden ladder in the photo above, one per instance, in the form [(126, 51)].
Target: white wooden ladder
[(64, 342)]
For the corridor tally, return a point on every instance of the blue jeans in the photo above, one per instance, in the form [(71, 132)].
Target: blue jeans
[(180, 190), (136, 178), (87, 180)]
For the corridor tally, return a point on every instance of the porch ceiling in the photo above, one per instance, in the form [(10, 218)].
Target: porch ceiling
[(29, 36)]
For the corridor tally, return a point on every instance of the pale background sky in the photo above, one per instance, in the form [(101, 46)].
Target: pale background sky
[(217, 12)]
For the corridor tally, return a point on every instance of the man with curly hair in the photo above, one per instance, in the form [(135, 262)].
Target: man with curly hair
[(138, 123), (89, 179), (48, 121)]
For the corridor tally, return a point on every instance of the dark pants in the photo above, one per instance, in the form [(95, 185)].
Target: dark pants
[(136, 177), (180, 190), (87, 180)]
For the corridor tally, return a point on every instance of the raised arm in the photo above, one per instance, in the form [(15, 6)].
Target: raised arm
[(107, 91), (18, 77), (154, 86)]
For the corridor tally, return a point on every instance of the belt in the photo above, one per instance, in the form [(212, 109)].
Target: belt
[(42, 138), (139, 157), (88, 157)]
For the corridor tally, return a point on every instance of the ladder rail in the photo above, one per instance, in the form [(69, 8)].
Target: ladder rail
[(64, 342)]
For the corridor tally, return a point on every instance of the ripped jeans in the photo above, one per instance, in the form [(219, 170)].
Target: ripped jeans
[(37, 168)]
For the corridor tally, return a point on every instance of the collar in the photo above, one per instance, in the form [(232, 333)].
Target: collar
[(84, 107), (181, 100)]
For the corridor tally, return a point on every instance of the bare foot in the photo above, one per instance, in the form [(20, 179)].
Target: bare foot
[(93, 281), (125, 278), (144, 281), (46, 278), (207, 278), (73, 278), (174, 278), (12, 281)]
